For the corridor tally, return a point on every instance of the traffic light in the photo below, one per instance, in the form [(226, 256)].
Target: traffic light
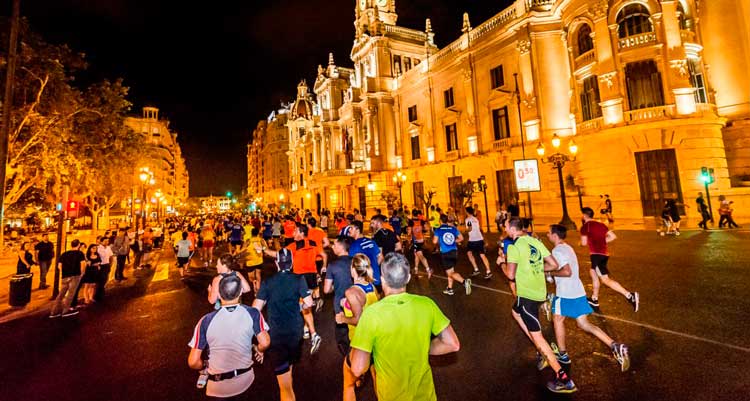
[(72, 208), (707, 175), (229, 194)]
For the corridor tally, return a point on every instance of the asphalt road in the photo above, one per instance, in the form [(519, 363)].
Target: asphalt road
[(687, 342)]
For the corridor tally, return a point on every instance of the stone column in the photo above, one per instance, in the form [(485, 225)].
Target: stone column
[(387, 130), (553, 76)]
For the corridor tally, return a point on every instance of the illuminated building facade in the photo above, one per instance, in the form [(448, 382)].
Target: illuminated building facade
[(650, 91), (268, 162)]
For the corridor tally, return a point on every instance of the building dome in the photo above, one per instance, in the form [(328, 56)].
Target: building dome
[(302, 107)]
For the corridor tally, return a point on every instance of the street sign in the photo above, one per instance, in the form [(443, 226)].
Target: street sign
[(527, 175)]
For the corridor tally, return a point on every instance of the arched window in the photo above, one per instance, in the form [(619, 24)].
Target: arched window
[(686, 23), (585, 43), (633, 19)]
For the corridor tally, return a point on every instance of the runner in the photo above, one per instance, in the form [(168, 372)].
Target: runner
[(385, 238), (283, 292), (415, 228), (289, 227), (357, 298), (476, 244), (254, 258), (226, 265), (182, 251), (236, 233), (320, 238), (364, 245), (570, 300), (449, 237), (596, 235), (528, 259), (209, 238), (276, 233), (304, 253), (339, 279)]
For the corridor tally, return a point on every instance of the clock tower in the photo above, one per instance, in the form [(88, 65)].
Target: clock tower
[(384, 10)]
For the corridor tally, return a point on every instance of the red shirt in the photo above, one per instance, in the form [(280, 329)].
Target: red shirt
[(596, 236), (316, 235), (289, 227)]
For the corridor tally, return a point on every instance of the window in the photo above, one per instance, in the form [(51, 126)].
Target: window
[(396, 65), (407, 64), (634, 19), (496, 77), (451, 137), (696, 79), (413, 113), (500, 123), (684, 20), (643, 81), (301, 132), (585, 43), (448, 97), (415, 151), (590, 108)]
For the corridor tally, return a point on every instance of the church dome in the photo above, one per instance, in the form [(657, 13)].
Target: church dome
[(302, 107)]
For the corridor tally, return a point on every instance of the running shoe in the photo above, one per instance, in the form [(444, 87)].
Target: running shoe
[(70, 312), (562, 386), (622, 356), (315, 344), (593, 302), (429, 274), (563, 358), (307, 333), (635, 301), (467, 286), (319, 304), (488, 275), (475, 273), (448, 291), (541, 362)]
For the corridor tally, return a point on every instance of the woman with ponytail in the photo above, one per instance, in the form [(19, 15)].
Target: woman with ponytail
[(226, 265), (358, 297)]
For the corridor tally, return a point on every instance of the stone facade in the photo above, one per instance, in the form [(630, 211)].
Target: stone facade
[(268, 162), (646, 89)]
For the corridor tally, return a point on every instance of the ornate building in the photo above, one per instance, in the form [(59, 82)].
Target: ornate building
[(649, 90), (167, 163), (268, 163)]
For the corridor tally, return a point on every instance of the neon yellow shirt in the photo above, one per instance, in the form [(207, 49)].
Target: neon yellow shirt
[(253, 257), (529, 253)]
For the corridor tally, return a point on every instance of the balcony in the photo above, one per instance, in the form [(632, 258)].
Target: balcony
[(594, 124), (585, 59), (452, 155), (649, 114), (539, 5), (643, 39), (501, 144), (687, 36)]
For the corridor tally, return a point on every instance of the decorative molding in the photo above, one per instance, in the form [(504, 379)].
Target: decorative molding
[(608, 79), (467, 73), (598, 10), (680, 67), (524, 46), (529, 101)]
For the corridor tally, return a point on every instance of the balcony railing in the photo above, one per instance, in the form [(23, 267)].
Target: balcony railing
[(687, 36), (590, 125), (639, 40), (501, 144), (585, 59), (452, 155), (539, 5), (413, 34), (339, 172), (649, 114)]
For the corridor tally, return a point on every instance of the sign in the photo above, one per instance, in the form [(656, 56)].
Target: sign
[(527, 175)]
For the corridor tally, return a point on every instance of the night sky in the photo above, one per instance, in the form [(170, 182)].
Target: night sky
[(214, 68)]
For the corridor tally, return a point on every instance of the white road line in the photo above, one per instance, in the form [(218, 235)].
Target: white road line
[(644, 325)]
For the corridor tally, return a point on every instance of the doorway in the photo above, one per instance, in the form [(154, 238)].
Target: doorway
[(659, 180)]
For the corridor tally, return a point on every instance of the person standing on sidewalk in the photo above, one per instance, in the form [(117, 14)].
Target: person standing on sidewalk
[(596, 236), (25, 259), (121, 251), (71, 264), (703, 210), (45, 252), (107, 256)]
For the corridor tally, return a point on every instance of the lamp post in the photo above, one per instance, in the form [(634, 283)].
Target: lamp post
[(482, 186), (147, 178), (558, 160), (400, 179)]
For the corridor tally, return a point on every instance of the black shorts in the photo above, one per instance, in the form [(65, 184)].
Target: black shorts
[(311, 279), (448, 260), (288, 241), (599, 263), (417, 246), (181, 262), (237, 243), (284, 352), (251, 269), (319, 265), (477, 247), (529, 311)]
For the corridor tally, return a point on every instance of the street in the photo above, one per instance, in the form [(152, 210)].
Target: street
[(686, 342)]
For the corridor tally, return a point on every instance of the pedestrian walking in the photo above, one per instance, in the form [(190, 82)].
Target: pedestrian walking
[(44, 253), (282, 293), (228, 333), (107, 257), (448, 238), (725, 211), (71, 264), (596, 236), (121, 249), (570, 301), (399, 333), (703, 210)]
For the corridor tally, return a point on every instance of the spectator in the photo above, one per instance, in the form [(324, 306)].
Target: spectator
[(25, 259), (91, 274), (121, 250), (70, 264), (45, 252), (107, 257)]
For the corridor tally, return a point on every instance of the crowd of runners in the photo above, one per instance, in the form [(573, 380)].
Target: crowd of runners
[(380, 330)]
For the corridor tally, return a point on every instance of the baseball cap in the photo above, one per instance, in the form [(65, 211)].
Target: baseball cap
[(284, 259)]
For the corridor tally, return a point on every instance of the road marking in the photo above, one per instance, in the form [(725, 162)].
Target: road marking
[(644, 325), (162, 272)]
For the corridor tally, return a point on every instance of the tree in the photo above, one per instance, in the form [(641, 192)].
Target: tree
[(390, 199), (465, 193)]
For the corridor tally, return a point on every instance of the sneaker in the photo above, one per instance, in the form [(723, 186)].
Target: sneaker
[(429, 274), (562, 358), (307, 333), (467, 286), (475, 273), (593, 302), (70, 312), (315, 344), (635, 301), (620, 352), (448, 291), (488, 275), (561, 386), (541, 362), (319, 304)]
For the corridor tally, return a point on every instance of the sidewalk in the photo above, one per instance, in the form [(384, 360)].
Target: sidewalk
[(41, 299)]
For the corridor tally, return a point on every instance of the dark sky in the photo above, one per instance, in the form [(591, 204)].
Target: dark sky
[(214, 68)]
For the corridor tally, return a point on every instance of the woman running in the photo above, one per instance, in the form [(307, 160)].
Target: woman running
[(226, 265)]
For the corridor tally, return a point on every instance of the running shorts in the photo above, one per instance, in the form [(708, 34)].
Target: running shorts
[(284, 352), (236, 242), (529, 311), (448, 260), (311, 279), (477, 247), (599, 263), (208, 243), (417, 246), (181, 262), (571, 307), (251, 269)]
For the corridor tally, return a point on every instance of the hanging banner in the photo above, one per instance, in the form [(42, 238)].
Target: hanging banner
[(527, 175)]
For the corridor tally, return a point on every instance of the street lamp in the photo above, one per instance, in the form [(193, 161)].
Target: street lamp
[(400, 179), (558, 160), (147, 178), (370, 183), (482, 186)]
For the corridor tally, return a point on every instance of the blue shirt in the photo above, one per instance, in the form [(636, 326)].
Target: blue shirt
[(267, 230), (447, 236), (236, 233), (396, 224), (371, 250)]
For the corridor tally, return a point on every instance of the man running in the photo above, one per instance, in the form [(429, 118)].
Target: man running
[(289, 226), (449, 237), (415, 229), (338, 280), (476, 244), (236, 234), (528, 259), (597, 235), (283, 292), (182, 251), (362, 244), (570, 300), (385, 238), (320, 238)]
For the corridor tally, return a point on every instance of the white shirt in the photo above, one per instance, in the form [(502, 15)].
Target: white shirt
[(568, 287), (475, 234), (105, 253)]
